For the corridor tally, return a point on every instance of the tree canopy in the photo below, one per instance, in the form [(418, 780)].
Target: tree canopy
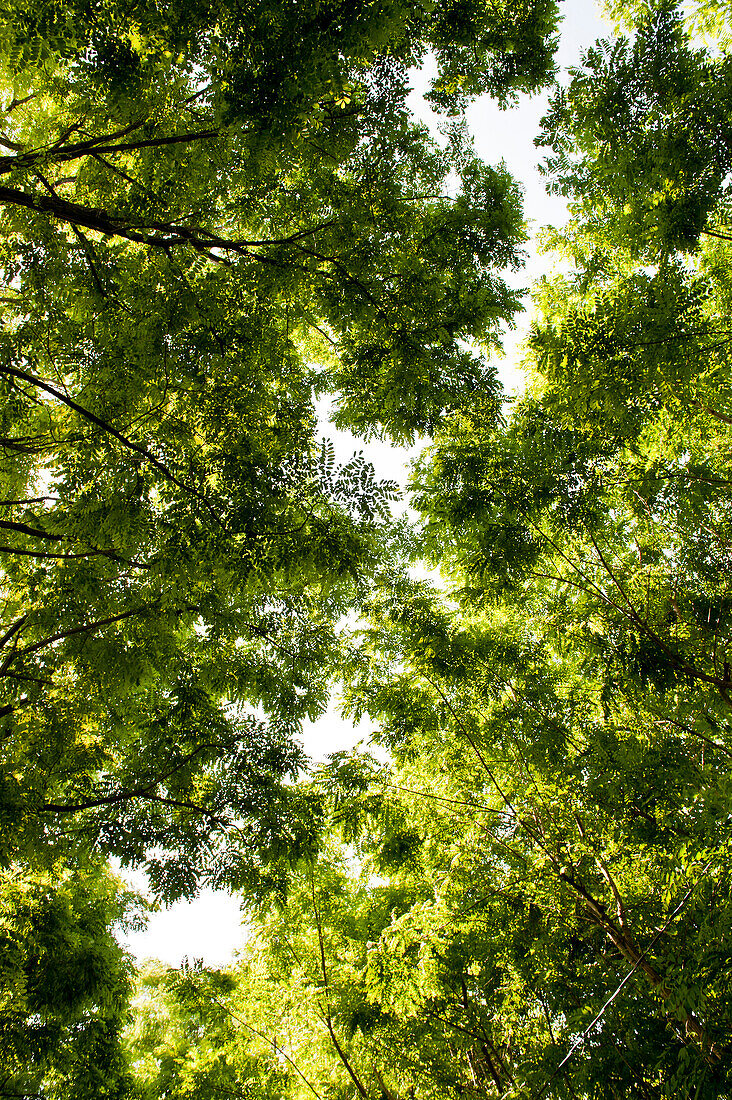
[(203, 228), (211, 216)]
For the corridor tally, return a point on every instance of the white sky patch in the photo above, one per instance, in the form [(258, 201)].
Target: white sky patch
[(390, 463), (209, 928), (333, 733)]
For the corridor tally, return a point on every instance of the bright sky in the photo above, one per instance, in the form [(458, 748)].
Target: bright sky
[(209, 928)]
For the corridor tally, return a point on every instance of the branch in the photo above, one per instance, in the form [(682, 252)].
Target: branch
[(33, 532), (691, 670), (660, 719), (620, 907), (59, 395), (628, 611), (64, 808), (19, 102), (12, 629), (135, 792), (328, 1020), (104, 144), (87, 627), (578, 1042), (714, 233), (452, 801), (708, 408), (163, 235), (95, 553), (271, 1042), (491, 775)]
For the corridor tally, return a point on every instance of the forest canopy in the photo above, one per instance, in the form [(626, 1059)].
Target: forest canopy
[(213, 215)]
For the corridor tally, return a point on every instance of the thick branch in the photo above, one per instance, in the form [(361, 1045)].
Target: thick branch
[(74, 557), (25, 529), (12, 629), (630, 951), (163, 235)]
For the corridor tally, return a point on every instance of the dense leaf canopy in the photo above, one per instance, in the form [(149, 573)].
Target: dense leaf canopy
[(212, 216), (203, 228)]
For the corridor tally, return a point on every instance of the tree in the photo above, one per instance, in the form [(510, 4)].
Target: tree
[(640, 140), (207, 222), (565, 837), (569, 705), (529, 898), (210, 217), (65, 984), (583, 666)]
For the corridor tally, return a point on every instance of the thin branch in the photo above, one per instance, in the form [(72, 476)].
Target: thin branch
[(491, 775), (86, 628), (452, 801), (59, 395), (630, 613), (328, 1020), (270, 1042), (135, 792)]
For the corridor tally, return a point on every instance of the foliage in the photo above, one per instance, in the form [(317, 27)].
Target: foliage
[(211, 215), (641, 139), (532, 897), (65, 984), (209, 218), (528, 893)]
